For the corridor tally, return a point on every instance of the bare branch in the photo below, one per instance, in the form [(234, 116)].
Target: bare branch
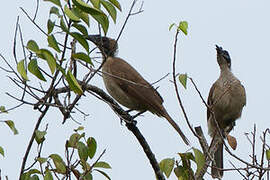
[(176, 87), (32, 140)]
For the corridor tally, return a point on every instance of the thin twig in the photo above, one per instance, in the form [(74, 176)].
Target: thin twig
[(128, 16), (176, 87), (10, 109), (36, 11), (15, 40), (238, 171), (32, 140), (198, 91), (160, 79)]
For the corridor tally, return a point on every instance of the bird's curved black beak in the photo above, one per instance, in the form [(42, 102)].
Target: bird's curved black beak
[(94, 38), (219, 49)]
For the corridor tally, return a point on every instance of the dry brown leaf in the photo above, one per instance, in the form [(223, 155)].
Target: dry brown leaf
[(232, 141)]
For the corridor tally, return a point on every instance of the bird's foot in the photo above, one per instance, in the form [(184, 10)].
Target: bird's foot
[(133, 122), (128, 111)]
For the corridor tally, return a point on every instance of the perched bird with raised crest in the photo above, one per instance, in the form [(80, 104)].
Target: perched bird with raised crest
[(226, 99), (127, 86)]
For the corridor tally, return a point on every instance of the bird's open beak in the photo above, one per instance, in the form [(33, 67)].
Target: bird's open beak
[(219, 48)]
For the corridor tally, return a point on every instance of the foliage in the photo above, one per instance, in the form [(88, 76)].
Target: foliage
[(183, 170), (54, 67), (79, 160), (73, 19)]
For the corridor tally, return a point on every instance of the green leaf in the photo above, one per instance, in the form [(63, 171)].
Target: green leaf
[(116, 4), (103, 173), (199, 159), (32, 45), (21, 70), (183, 26), (33, 68), (97, 14), (92, 147), (81, 28), (42, 160), (82, 56), (11, 125), (56, 2), (59, 163), (88, 176), (50, 26), (86, 8), (48, 175), (183, 80), (40, 136), (103, 21), (34, 171), (82, 151), (188, 156), (110, 9), (171, 26), (268, 154), (181, 173), (185, 158), (73, 83), (34, 177), (73, 139), (80, 128), (53, 43), (25, 176), (48, 56), (3, 109), (81, 40), (102, 164), (166, 166), (70, 14), (96, 3), (83, 15), (2, 151), (55, 10), (63, 25), (62, 70), (82, 135)]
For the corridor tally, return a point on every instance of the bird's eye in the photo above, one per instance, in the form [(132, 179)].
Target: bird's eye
[(226, 55)]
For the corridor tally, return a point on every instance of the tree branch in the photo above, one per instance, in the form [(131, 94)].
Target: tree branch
[(32, 140), (131, 125)]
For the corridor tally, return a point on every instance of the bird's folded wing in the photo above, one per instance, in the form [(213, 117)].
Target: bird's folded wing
[(130, 81)]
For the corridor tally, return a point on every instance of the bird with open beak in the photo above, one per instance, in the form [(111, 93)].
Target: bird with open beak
[(226, 99)]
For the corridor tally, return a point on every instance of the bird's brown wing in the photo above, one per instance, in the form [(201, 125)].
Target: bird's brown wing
[(210, 100), (140, 91), (130, 81), (243, 93)]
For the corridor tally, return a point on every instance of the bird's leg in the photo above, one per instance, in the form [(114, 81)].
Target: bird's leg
[(138, 114), (133, 117), (128, 111), (128, 121)]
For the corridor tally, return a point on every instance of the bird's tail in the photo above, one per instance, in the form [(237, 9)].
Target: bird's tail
[(218, 157), (176, 127)]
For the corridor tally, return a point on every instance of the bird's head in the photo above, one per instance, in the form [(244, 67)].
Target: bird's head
[(223, 57), (106, 45)]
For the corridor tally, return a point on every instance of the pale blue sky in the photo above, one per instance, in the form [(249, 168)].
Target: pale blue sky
[(242, 27)]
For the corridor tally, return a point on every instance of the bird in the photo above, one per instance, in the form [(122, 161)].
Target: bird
[(226, 100), (127, 86)]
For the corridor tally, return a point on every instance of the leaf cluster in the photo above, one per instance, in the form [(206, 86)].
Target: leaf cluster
[(79, 161)]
